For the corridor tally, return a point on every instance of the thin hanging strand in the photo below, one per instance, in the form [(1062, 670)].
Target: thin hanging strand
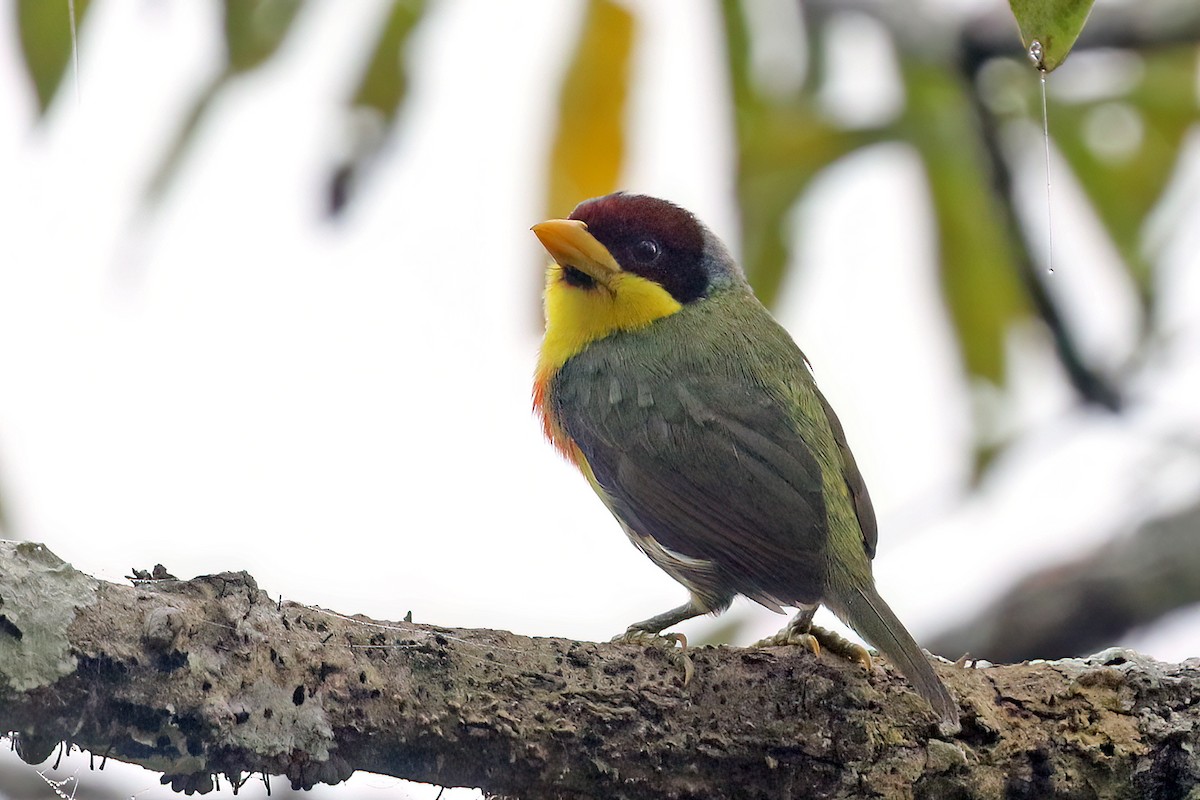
[(1049, 204), (1035, 54), (74, 47)]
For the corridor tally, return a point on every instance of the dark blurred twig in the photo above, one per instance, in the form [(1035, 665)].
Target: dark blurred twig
[(1092, 386), (1083, 605)]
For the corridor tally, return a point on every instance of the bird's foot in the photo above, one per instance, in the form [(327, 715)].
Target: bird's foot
[(792, 638), (667, 641), (841, 646), (814, 639)]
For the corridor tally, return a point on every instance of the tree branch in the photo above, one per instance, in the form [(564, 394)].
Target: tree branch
[(193, 678), (1077, 606)]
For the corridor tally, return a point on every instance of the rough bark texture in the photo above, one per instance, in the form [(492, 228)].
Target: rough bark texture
[(193, 678)]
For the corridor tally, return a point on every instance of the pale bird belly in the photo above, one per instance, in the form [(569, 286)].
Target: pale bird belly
[(699, 576)]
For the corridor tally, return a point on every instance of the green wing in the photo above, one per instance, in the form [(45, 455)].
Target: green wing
[(698, 442), (854, 481)]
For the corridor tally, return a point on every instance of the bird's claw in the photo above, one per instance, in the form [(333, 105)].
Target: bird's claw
[(791, 638), (813, 639), (677, 656)]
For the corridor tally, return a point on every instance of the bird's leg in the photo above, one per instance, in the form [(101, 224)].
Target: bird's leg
[(660, 622), (800, 631), (650, 631)]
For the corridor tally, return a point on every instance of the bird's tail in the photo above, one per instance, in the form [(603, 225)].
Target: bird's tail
[(864, 610)]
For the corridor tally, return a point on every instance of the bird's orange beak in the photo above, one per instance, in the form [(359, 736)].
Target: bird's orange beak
[(570, 245)]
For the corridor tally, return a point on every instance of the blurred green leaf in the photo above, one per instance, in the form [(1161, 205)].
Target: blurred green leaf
[(589, 145), (1125, 150), (385, 80), (783, 143), (1053, 25), (44, 27), (170, 162), (376, 101), (254, 29), (779, 156), (979, 274)]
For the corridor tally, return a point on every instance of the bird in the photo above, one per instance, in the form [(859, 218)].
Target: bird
[(697, 420)]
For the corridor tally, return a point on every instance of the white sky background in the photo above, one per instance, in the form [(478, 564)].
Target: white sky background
[(343, 410)]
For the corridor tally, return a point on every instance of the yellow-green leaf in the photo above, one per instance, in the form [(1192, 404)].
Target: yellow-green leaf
[(1124, 150), (783, 143), (589, 143), (254, 29), (44, 27), (377, 98), (384, 81), (979, 276), (170, 162), (1049, 28), (779, 154)]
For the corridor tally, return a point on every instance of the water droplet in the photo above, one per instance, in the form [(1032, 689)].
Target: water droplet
[(1035, 53)]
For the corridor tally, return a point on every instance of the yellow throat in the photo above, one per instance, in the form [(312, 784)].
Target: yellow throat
[(577, 315)]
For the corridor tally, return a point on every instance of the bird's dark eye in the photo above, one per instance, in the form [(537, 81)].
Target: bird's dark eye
[(645, 251)]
